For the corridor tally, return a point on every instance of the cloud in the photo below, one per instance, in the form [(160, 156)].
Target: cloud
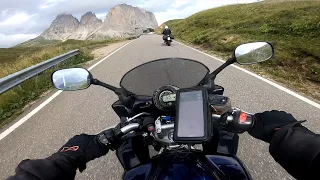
[(46, 5), (16, 19), (156, 5), (11, 40), (101, 16), (49, 3), (179, 3)]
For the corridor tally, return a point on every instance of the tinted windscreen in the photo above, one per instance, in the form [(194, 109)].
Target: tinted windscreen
[(148, 77)]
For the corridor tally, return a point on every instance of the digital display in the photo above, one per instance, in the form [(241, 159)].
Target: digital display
[(191, 115), (169, 98)]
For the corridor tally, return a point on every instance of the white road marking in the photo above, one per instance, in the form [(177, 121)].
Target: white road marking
[(33, 112), (312, 103)]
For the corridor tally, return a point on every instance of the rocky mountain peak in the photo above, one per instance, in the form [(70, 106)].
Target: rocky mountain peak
[(61, 27), (121, 21), (89, 18), (127, 16), (123, 6), (65, 18)]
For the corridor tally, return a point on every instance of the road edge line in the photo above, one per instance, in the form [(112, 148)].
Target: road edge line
[(296, 95), (38, 108)]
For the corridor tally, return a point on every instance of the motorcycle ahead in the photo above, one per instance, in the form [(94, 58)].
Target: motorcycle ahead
[(172, 108), (167, 39)]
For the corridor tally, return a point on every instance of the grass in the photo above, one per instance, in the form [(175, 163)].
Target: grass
[(18, 58), (292, 27), (38, 42), (9, 54)]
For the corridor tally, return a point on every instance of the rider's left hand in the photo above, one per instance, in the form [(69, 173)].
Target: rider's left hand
[(82, 149)]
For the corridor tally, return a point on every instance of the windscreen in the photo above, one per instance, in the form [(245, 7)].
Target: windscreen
[(148, 77), (191, 118)]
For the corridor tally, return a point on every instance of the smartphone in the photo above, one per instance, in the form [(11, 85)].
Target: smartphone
[(192, 118)]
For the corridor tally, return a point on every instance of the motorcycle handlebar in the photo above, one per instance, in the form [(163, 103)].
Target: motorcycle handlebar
[(129, 127), (238, 121)]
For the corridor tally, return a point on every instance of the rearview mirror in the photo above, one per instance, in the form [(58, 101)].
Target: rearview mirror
[(71, 79), (252, 53)]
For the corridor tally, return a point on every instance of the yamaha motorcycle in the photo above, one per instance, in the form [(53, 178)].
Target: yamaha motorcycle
[(175, 122)]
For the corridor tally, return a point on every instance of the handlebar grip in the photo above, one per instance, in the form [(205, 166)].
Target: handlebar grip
[(237, 121), (242, 121)]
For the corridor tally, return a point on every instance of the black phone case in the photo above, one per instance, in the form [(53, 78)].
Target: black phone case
[(207, 120)]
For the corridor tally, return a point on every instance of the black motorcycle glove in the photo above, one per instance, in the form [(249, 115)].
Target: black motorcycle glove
[(82, 149), (268, 122)]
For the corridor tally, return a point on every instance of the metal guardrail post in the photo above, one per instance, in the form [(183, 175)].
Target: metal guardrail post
[(19, 77)]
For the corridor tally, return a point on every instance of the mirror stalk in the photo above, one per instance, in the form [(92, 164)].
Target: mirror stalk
[(220, 68), (124, 98), (108, 86)]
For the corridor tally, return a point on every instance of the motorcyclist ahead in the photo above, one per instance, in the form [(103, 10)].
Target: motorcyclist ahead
[(166, 32), (292, 145)]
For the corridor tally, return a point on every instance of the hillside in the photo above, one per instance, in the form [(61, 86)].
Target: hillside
[(293, 28), (38, 42)]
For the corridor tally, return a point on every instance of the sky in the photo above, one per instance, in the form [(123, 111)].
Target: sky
[(21, 20)]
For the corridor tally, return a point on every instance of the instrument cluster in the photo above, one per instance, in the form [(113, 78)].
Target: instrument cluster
[(164, 98)]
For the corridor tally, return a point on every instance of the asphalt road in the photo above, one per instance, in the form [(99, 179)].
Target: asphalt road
[(89, 111)]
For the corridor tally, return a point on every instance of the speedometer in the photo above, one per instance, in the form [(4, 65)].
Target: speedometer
[(164, 98)]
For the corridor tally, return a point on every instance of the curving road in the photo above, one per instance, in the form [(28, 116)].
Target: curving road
[(90, 111)]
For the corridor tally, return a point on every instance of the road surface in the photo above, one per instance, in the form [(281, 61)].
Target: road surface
[(90, 111)]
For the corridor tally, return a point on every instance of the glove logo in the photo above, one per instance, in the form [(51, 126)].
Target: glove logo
[(73, 148)]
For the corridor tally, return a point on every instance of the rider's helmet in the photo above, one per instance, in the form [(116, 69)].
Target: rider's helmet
[(166, 27)]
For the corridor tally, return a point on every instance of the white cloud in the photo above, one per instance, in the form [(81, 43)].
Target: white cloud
[(156, 5), (11, 40), (16, 19), (4, 13), (179, 3), (49, 4), (101, 16), (46, 5)]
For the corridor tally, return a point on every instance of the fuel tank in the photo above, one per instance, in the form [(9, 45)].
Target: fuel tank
[(189, 165)]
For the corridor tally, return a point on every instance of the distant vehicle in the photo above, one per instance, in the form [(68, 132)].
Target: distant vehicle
[(148, 30)]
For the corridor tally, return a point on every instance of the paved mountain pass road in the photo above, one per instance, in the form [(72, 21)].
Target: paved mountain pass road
[(89, 111)]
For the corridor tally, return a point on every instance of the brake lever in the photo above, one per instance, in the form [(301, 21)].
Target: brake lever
[(138, 115)]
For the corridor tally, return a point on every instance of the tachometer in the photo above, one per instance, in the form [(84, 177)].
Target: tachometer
[(164, 98)]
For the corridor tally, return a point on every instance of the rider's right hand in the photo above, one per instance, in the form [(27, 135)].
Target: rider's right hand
[(268, 122)]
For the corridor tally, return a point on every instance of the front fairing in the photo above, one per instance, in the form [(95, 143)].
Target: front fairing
[(188, 165)]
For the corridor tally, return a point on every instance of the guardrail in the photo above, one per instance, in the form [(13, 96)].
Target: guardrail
[(19, 77)]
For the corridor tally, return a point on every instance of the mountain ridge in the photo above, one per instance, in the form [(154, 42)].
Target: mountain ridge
[(121, 21)]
